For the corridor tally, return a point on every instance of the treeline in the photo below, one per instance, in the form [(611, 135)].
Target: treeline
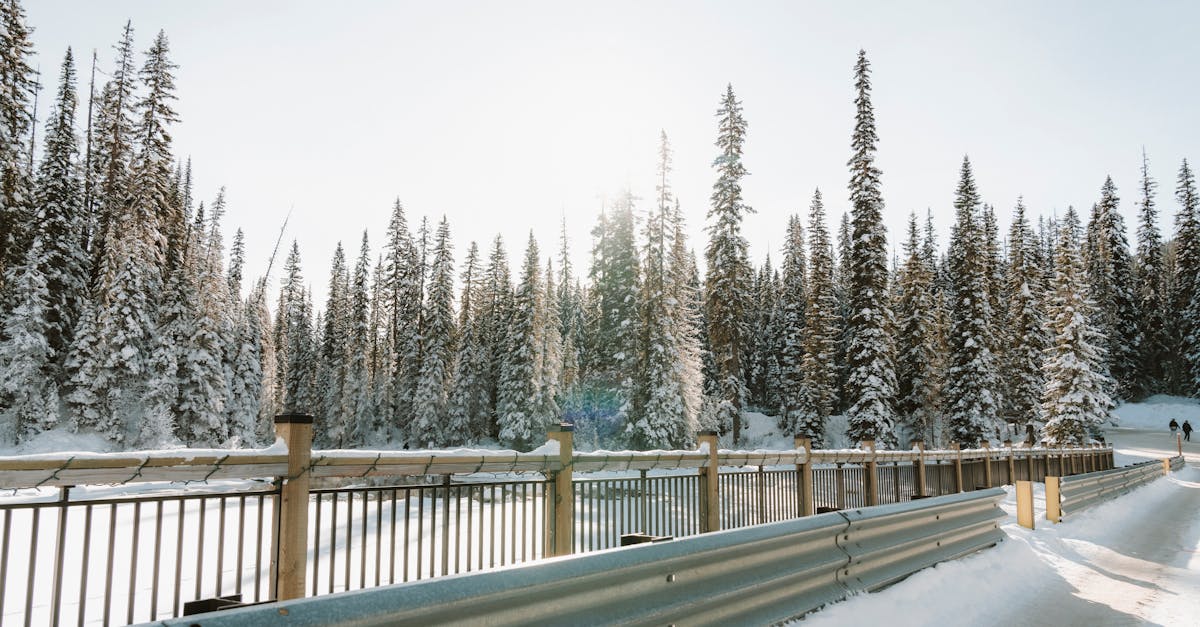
[(123, 312)]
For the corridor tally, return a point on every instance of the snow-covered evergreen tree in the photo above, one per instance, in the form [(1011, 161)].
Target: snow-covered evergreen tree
[(521, 373), (871, 383), (1022, 361), (18, 83), (356, 402), (793, 301), (821, 332), (467, 405), (1075, 401), (1151, 281), (28, 393), (916, 377), (1185, 301), (1111, 282), (728, 282), (971, 379), (496, 312), (331, 427), (659, 415), (438, 348)]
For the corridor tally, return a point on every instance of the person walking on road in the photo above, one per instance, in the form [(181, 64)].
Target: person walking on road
[(1187, 431), (1174, 427)]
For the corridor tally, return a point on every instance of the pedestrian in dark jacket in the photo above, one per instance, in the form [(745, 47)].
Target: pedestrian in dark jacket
[(1187, 431), (1174, 426)]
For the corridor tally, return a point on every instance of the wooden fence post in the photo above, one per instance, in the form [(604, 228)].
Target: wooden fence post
[(1053, 502), (1012, 464), (919, 489), (958, 478), (870, 476), (804, 474), (291, 557), (710, 504), (987, 463), (1025, 504), (562, 515), (1031, 462)]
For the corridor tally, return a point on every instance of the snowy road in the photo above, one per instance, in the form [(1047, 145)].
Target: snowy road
[(1133, 561)]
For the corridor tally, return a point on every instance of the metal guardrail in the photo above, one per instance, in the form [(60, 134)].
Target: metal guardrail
[(754, 575), (1176, 463), (1067, 495)]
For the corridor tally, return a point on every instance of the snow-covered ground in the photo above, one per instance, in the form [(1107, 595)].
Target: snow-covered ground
[(1131, 561)]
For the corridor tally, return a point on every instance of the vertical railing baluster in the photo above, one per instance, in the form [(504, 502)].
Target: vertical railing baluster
[(445, 525), (158, 516), (83, 568), (108, 578), (407, 517), (220, 544), (349, 537), (133, 558), (362, 542), (317, 544), (378, 536), (259, 550), (200, 550), (333, 503), (178, 557), (420, 527), (241, 544), (59, 542)]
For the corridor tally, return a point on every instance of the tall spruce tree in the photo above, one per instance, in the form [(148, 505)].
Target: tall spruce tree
[(871, 384), (18, 83), (437, 355), (495, 316), (1022, 361), (1075, 401), (917, 393), (1185, 302), (659, 416), (468, 400), (728, 283), (521, 375), (793, 300), (821, 331), (357, 403), (1111, 281), (971, 379), (1151, 281)]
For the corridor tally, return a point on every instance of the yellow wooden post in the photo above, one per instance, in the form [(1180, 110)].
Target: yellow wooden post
[(710, 504), (804, 474), (562, 527), (871, 476), (1012, 464), (1167, 466), (958, 478), (291, 556), (1025, 504), (987, 463), (1053, 500), (920, 463)]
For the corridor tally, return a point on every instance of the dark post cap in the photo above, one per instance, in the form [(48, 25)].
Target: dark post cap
[(296, 419), (562, 427), (706, 432)]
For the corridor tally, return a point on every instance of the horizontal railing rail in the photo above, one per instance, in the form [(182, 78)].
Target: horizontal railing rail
[(757, 575)]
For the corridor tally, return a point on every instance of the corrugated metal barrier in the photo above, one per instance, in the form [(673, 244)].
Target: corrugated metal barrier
[(753, 575), (1079, 492)]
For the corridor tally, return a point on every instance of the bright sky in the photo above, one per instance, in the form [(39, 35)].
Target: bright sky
[(506, 115)]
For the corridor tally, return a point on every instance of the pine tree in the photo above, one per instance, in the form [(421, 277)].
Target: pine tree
[(17, 85), (684, 289), (1185, 302), (1151, 281), (616, 278), (658, 418), (332, 426), (61, 222), (28, 394), (403, 276), (918, 386), (1022, 362), (841, 290), (727, 285), (437, 355), (871, 385), (1110, 270), (971, 379), (521, 375), (203, 382), (546, 408), (1075, 402), (356, 402), (817, 393), (468, 401), (110, 165), (793, 302), (570, 316), (496, 312)]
